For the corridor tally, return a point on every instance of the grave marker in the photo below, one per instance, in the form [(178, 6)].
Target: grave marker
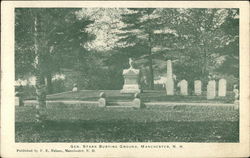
[(197, 87), (222, 88), (211, 89), (102, 101), (183, 84), (170, 81)]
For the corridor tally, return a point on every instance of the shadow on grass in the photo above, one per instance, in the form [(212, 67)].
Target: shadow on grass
[(147, 95), (127, 131)]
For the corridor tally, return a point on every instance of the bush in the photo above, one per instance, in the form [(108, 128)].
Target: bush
[(58, 86)]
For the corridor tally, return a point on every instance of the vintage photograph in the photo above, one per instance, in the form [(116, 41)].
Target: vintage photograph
[(126, 75)]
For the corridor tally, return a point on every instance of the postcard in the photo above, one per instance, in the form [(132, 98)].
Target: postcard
[(125, 79)]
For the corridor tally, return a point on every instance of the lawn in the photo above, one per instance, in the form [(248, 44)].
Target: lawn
[(95, 124)]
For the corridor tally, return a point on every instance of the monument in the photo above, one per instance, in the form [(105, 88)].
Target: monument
[(170, 81), (131, 79)]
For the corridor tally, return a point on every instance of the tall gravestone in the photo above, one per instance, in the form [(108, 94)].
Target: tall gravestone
[(197, 87), (222, 88), (170, 81), (131, 79), (183, 84), (211, 89)]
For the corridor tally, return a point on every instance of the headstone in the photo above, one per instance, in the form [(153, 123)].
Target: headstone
[(170, 81), (131, 79), (183, 87), (197, 87), (75, 89), (137, 103), (102, 101), (236, 97), (19, 98), (236, 104), (236, 92), (211, 89), (222, 88)]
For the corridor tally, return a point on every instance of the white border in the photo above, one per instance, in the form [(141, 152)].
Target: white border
[(8, 145)]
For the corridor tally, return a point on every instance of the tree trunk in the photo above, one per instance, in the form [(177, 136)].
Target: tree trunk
[(204, 67), (151, 72), (40, 90), (40, 82), (49, 83), (150, 62)]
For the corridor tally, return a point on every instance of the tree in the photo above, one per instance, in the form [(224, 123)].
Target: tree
[(143, 35), (107, 24), (200, 36), (24, 44), (230, 51), (45, 37), (62, 32)]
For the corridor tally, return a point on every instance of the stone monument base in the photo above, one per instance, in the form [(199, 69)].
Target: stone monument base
[(132, 88)]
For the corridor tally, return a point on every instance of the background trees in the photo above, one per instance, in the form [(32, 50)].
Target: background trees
[(193, 39), (97, 42), (128, 33), (47, 40), (204, 41)]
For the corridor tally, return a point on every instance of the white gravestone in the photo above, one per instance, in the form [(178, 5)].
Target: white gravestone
[(183, 87), (236, 97), (211, 89), (170, 81), (137, 103), (197, 87), (102, 101), (74, 89), (222, 88), (236, 94)]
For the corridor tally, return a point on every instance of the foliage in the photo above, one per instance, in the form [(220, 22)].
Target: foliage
[(230, 51), (141, 34), (58, 86), (204, 42), (200, 42), (97, 42), (48, 39)]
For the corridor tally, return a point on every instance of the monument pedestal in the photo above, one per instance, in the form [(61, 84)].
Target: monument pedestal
[(131, 88), (131, 80)]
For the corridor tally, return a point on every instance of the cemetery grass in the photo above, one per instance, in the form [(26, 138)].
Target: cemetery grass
[(95, 124)]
